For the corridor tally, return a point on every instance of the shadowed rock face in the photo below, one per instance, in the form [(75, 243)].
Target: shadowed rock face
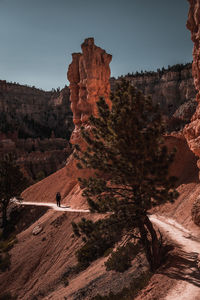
[(88, 75), (193, 24), (192, 130)]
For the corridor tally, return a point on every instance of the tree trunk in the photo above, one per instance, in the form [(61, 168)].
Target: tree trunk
[(150, 242), (4, 216), (145, 242), (156, 246)]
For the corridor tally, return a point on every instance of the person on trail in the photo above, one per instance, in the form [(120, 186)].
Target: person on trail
[(58, 198)]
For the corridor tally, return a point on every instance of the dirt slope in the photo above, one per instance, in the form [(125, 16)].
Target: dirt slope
[(38, 261), (64, 181)]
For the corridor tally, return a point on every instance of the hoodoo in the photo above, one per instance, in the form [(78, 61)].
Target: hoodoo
[(89, 75)]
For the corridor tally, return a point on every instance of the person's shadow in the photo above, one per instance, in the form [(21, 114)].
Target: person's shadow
[(62, 206)]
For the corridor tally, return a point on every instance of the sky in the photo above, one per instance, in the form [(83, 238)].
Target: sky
[(37, 37)]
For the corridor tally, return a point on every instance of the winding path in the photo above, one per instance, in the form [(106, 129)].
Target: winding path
[(51, 205), (185, 272)]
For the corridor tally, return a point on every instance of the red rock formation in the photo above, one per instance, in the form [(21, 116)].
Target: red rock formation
[(192, 130), (88, 75), (193, 24)]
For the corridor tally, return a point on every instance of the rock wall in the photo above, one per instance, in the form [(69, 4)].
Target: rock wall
[(34, 113), (37, 158), (36, 126), (88, 75), (169, 88), (192, 130), (193, 24)]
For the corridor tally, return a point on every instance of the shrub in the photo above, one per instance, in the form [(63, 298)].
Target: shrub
[(120, 260), (5, 246), (128, 293), (91, 251), (4, 261), (7, 296)]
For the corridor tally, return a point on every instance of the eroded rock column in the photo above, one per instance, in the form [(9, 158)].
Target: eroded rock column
[(88, 75)]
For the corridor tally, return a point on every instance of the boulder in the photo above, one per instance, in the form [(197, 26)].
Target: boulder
[(37, 229)]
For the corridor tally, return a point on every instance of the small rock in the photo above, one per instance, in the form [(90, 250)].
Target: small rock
[(198, 261), (37, 229)]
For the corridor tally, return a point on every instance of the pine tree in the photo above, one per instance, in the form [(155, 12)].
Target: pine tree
[(12, 183), (129, 163)]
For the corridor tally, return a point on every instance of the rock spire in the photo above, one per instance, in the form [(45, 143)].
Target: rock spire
[(89, 75)]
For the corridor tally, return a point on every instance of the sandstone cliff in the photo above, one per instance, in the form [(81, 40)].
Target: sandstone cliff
[(192, 130), (35, 125), (37, 158), (27, 112), (173, 89)]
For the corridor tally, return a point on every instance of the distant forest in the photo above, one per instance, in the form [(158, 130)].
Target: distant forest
[(174, 68)]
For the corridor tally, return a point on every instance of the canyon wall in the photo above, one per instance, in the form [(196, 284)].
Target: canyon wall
[(173, 89), (35, 125), (37, 158), (30, 113), (192, 130)]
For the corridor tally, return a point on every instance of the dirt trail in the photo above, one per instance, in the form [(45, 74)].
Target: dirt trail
[(52, 205), (185, 271)]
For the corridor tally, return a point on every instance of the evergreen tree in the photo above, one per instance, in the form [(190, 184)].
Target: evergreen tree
[(129, 163), (12, 183)]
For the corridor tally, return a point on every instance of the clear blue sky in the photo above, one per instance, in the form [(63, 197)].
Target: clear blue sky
[(37, 37)]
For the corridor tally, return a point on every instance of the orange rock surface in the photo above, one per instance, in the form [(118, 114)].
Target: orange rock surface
[(88, 75), (192, 130)]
